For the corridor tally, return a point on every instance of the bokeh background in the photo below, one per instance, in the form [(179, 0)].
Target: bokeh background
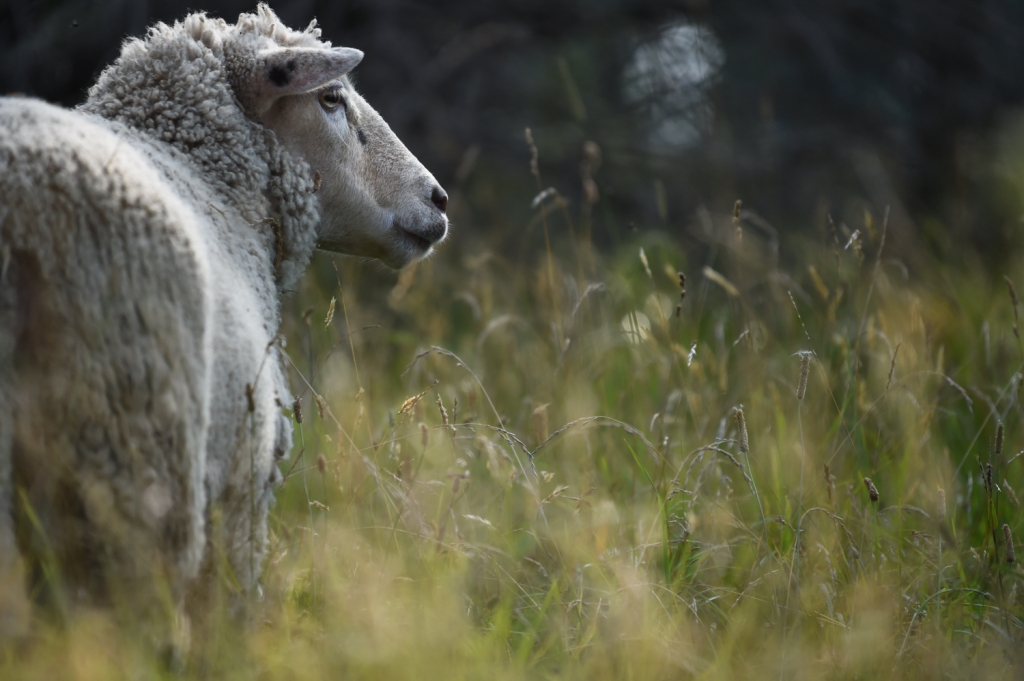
[(800, 108)]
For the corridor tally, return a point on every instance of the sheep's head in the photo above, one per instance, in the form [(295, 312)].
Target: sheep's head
[(378, 200)]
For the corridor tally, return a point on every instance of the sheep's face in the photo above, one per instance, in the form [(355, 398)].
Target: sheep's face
[(378, 200)]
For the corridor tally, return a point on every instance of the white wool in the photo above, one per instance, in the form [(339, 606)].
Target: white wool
[(145, 240)]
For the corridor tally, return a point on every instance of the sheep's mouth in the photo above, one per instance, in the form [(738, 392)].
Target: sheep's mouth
[(419, 243), (415, 241)]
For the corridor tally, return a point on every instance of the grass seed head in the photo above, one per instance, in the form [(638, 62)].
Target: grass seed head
[(744, 440), (1008, 538), (414, 401), (805, 370), (534, 166), (999, 440), (942, 503), (444, 412), (297, 409), (872, 490), (321, 464), (741, 423), (330, 311)]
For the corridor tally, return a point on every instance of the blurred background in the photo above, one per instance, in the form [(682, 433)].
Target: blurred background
[(802, 109)]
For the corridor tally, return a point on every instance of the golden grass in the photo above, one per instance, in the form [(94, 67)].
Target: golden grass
[(579, 469)]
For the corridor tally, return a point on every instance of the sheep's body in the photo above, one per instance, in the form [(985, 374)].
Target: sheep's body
[(144, 266), (144, 242), (121, 272)]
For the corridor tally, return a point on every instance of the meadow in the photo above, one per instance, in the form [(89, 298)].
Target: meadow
[(790, 453)]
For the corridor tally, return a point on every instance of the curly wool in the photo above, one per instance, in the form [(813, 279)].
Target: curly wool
[(145, 240), (176, 86)]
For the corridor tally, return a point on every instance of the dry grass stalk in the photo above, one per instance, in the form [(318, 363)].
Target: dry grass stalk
[(682, 293), (1008, 538), (591, 163), (534, 166), (819, 283), (796, 309), (872, 490), (857, 243), (1010, 493), (645, 263), (278, 234), (719, 279), (1013, 299), (736, 220), (558, 491), (830, 485), (540, 423), (892, 366)]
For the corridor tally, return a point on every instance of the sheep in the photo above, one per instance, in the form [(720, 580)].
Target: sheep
[(146, 240)]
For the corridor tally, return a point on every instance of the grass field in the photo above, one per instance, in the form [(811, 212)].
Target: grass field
[(547, 462)]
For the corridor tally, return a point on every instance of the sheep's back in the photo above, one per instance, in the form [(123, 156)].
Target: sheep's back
[(106, 279)]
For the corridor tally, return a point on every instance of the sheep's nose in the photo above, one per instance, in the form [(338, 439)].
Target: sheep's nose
[(440, 198)]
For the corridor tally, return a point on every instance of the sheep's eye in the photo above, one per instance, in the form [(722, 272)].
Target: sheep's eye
[(332, 99)]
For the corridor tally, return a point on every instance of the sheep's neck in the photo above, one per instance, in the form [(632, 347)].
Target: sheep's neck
[(203, 123)]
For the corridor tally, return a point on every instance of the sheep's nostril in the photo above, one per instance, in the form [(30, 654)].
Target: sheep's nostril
[(440, 199)]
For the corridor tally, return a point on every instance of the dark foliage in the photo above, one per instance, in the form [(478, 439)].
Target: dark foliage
[(805, 106)]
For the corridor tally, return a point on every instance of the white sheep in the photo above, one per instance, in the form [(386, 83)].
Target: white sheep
[(145, 242)]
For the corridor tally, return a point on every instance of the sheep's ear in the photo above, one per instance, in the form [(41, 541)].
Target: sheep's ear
[(285, 71)]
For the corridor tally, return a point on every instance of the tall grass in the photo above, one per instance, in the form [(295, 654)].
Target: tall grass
[(583, 465)]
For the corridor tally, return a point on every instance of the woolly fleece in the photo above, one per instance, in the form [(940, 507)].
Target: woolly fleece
[(145, 240)]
